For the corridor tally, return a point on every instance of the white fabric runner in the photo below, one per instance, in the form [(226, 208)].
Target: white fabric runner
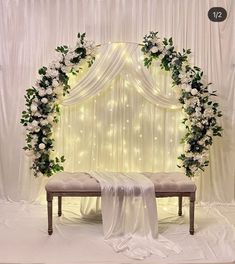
[(129, 215)]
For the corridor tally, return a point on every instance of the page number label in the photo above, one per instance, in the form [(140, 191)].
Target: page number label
[(217, 14)]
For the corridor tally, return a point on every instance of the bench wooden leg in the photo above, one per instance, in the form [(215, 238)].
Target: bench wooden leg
[(191, 212), (49, 212), (180, 206), (59, 205)]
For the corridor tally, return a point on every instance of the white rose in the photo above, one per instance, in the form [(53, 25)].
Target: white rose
[(194, 91), (44, 122), (188, 89), (44, 100), (41, 146), (30, 128), (46, 82), (161, 46), (34, 108), (42, 92), (55, 83), (49, 91), (52, 73), (35, 123), (154, 49), (50, 118), (37, 129), (161, 56)]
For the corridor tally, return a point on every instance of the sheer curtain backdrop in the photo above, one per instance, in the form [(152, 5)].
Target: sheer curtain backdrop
[(117, 129)]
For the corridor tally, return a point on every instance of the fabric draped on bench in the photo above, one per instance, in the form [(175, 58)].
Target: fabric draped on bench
[(128, 205)]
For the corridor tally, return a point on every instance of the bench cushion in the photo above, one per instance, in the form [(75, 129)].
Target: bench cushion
[(83, 182)]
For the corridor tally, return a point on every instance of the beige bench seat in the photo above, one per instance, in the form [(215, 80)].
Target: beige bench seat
[(82, 184)]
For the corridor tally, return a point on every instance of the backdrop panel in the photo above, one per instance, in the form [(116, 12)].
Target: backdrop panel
[(30, 30)]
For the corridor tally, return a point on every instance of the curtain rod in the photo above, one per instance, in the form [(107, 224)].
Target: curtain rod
[(116, 42)]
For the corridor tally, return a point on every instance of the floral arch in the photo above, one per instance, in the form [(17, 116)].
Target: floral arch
[(194, 94)]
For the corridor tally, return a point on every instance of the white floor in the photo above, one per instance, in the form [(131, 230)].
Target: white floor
[(24, 239)]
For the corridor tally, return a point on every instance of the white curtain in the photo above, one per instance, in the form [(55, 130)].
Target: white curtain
[(30, 30)]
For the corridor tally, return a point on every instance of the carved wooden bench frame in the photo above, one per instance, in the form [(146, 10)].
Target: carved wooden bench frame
[(180, 195)]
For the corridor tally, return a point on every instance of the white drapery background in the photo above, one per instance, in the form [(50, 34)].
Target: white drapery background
[(42, 25)]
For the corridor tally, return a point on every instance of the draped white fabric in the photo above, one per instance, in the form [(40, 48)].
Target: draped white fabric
[(129, 215), (112, 60), (30, 30)]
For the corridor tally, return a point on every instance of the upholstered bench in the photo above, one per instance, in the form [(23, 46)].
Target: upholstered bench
[(81, 184)]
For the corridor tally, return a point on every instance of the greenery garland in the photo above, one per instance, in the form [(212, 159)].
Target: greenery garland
[(195, 96), (42, 102)]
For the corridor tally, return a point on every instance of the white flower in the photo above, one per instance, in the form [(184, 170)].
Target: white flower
[(156, 40), (50, 118), (44, 100), (161, 56), (188, 89), (201, 142), (44, 122), (194, 91), (42, 92), (34, 108), (49, 91), (46, 82), (52, 73), (35, 123), (37, 114), (154, 49), (208, 112), (160, 46), (37, 129), (55, 83), (42, 146)]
